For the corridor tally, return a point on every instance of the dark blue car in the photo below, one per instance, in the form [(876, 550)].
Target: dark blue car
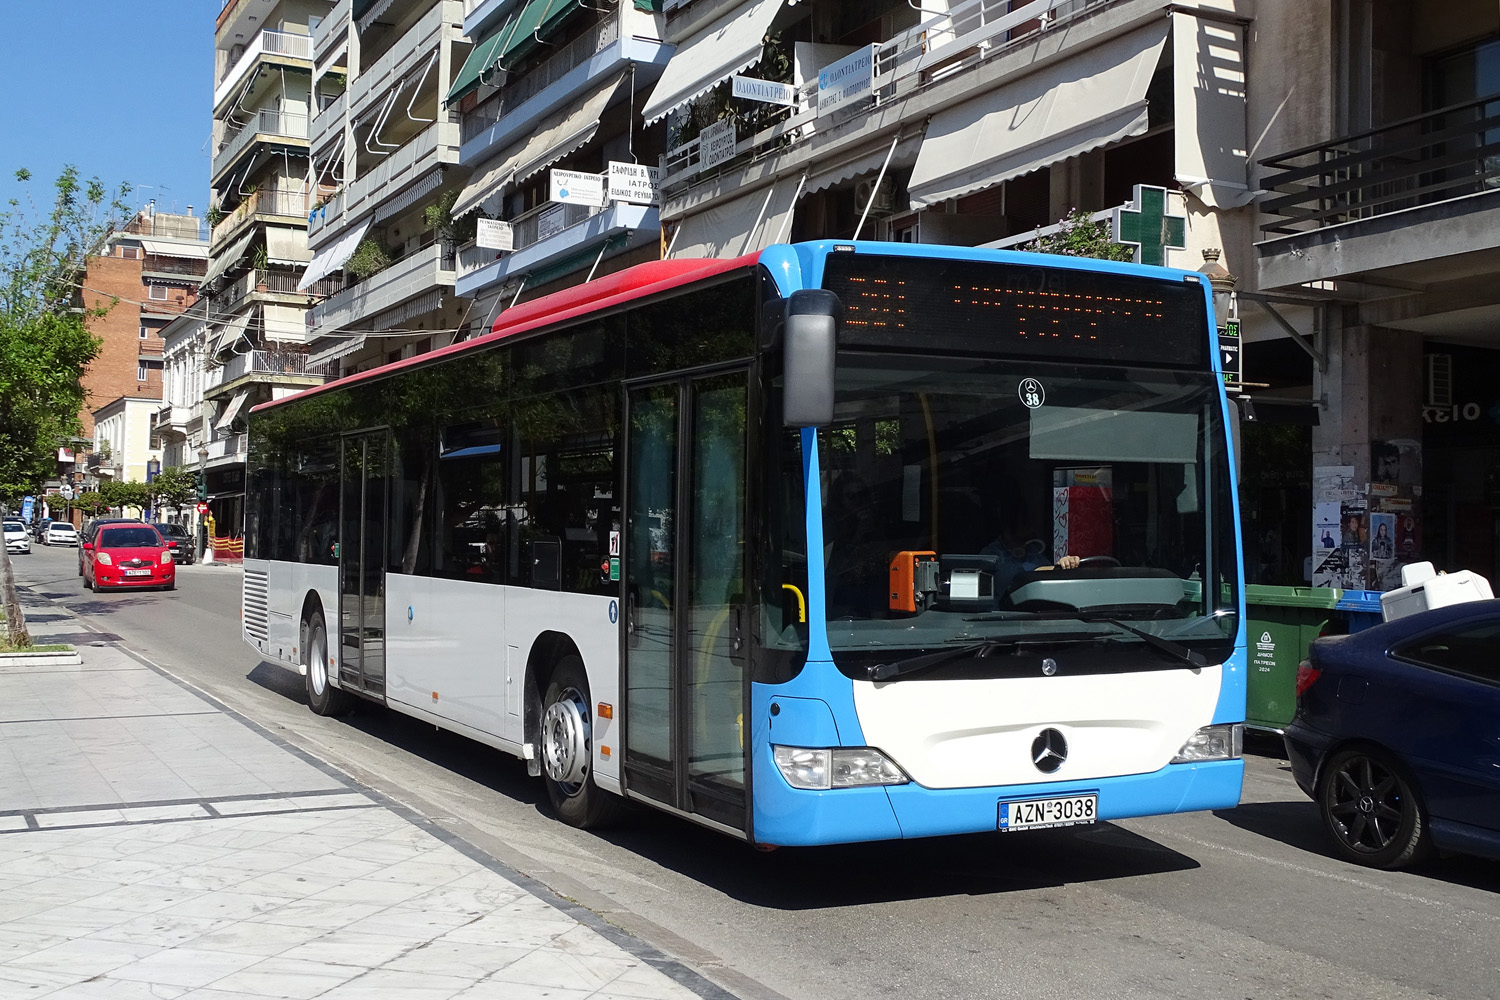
[(1397, 736)]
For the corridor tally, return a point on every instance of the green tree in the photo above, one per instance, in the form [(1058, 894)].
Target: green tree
[(90, 502), (1081, 236), (174, 488), (118, 494), (44, 343)]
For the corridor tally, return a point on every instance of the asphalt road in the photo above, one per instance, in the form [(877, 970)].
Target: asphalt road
[(1245, 903)]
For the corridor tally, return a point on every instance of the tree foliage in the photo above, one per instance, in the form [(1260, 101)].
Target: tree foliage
[(1081, 236), (174, 488), (44, 344), (117, 494)]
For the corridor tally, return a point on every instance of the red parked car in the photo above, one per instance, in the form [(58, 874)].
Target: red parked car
[(128, 555)]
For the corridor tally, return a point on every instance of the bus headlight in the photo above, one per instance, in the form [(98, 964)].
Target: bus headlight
[(838, 767), (1225, 742)]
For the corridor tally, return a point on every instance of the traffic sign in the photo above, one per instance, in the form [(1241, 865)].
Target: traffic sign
[(203, 508)]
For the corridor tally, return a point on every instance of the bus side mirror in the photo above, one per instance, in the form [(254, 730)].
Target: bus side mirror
[(809, 345)]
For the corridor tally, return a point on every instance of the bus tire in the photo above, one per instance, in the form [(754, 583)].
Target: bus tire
[(322, 697), (565, 745)]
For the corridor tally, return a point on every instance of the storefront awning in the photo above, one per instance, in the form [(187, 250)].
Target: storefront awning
[(714, 54), (738, 226), (554, 137), (1082, 103), (870, 163), (228, 258), (531, 26), (332, 257), (339, 348)]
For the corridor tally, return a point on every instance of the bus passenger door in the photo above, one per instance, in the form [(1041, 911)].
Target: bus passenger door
[(686, 593), (362, 564)]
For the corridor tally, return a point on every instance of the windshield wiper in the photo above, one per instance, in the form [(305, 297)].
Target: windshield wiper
[(1191, 657), (975, 650)]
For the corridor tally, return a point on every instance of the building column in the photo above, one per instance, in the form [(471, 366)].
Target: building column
[(1367, 455)]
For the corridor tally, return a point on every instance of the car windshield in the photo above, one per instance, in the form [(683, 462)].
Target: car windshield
[(129, 538), (173, 530), (14, 526), (952, 487), (61, 529)]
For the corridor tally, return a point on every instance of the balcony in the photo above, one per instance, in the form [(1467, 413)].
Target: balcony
[(231, 447), (266, 126), (524, 88), (426, 270), (188, 267), (258, 204), (170, 421), (329, 121), (181, 227), (1401, 194), (279, 367), (332, 29), (408, 54), (268, 283), (436, 144), (283, 44), (549, 242), (920, 70)]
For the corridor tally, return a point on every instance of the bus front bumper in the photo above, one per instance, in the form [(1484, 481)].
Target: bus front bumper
[(791, 817)]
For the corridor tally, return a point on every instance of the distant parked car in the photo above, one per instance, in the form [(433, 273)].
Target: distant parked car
[(178, 540), (61, 533), (1397, 736), (91, 528), (128, 555), (16, 539)]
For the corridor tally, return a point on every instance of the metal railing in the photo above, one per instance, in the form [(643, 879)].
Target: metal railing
[(231, 446), (190, 266), (267, 201), (279, 43), (526, 230), (1436, 156), (258, 363), (513, 94), (183, 227), (264, 123), (911, 60)]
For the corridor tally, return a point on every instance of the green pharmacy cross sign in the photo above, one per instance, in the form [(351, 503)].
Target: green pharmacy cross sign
[(1145, 224)]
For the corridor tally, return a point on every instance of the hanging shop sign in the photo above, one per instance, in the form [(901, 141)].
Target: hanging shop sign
[(493, 234), (842, 83), (632, 183), (573, 187), (767, 91)]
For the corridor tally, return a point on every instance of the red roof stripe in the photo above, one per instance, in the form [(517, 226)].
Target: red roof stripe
[(611, 290)]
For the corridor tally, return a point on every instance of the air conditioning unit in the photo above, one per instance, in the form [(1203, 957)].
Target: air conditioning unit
[(880, 199)]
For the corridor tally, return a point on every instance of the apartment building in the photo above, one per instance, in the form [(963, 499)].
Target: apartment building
[(124, 449), (263, 187), (146, 274), (553, 89), (1377, 242), (386, 150)]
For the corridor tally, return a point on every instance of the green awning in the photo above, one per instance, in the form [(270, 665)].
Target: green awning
[(481, 58), (539, 19)]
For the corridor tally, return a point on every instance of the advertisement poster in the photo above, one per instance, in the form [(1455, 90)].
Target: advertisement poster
[(1328, 533), (1339, 537)]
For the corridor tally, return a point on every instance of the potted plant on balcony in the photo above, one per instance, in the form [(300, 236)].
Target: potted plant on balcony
[(369, 258), (260, 261)]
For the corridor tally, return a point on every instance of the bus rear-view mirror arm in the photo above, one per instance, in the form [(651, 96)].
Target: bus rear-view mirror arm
[(809, 346)]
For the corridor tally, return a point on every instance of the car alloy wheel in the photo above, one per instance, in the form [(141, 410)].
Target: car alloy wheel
[(1371, 810)]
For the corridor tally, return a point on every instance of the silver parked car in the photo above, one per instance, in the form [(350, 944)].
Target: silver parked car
[(16, 539), (62, 533)]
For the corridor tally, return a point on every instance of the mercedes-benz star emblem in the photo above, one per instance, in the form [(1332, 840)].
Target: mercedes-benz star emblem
[(1049, 750), (1049, 666)]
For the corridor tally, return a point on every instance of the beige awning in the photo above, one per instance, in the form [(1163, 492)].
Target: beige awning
[(740, 225), (712, 55), (224, 261), (231, 411), (284, 322), (869, 163), (1081, 103), (554, 137), (287, 246), (228, 334)]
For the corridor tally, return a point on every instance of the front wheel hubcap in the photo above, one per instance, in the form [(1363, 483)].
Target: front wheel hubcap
[(565, 740)]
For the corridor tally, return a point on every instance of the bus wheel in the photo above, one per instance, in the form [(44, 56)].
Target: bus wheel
[(322, 697), (566, 749)]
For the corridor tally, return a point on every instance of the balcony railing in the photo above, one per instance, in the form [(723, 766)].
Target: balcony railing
[(281, 43), (182, 227), (1437, 156), (259, 363), (514, 94), (269, 201), (942, 45), (277, 282), (271, 124), (159, 264), (425, 268), (532, 227), (232, 446)]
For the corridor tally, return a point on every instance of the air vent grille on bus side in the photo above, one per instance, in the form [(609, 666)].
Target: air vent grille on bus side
[(256, 616)]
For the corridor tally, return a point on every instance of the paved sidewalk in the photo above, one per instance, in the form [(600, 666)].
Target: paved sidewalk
[(155, 844)]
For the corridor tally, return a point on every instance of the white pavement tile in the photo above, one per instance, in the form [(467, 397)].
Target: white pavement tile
[(263, 940), (188, 967), (164, 931), (646, 983), (285, 977), (117, 989), (381, 984), (234, 905), (19, 981), (495, 990), (318, 914), (508, 929), (85, 958), (367, 951), (549, 967), (455, 958)]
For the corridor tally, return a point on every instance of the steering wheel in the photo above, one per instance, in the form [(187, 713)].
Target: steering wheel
[(1098, 561)]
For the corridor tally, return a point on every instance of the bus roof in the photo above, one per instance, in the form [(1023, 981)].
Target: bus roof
[(602, 293)]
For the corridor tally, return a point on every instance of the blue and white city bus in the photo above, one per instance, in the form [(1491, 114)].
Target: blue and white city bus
[(833, 542)]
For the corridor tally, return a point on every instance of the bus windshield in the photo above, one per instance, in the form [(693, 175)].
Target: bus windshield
[(969, 501)]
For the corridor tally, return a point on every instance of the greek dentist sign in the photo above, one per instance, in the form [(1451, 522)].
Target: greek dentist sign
[(842, 83)]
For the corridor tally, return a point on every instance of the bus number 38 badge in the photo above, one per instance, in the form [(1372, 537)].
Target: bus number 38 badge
[(1031, 393)]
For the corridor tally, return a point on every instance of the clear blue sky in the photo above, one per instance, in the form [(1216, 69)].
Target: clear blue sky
[(122, 89)]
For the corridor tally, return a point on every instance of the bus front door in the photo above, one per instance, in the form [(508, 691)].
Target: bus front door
[(686, 595), (362, 564)]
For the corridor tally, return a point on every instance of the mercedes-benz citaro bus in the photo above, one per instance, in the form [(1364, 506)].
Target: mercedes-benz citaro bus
[(833, 542)]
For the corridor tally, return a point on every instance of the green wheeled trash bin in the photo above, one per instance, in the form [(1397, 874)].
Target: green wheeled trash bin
[(1281, 622)]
